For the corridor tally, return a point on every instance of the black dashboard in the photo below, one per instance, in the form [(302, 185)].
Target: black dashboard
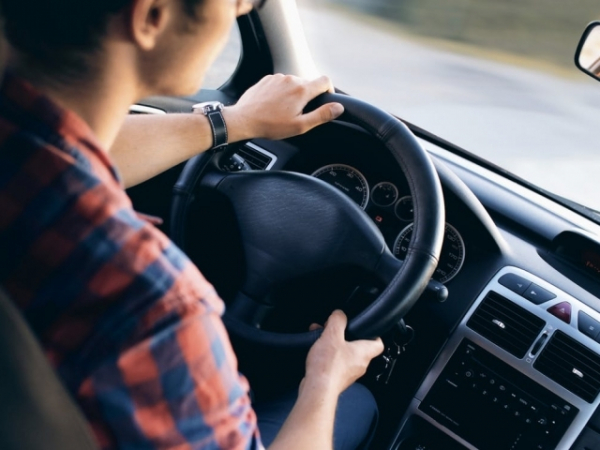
[(537, 338)]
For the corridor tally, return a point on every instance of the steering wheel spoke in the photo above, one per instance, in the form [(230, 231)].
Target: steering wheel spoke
[(247, 310), (388, 267)]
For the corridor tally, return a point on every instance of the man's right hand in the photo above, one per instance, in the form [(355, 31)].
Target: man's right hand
[(334, 363)]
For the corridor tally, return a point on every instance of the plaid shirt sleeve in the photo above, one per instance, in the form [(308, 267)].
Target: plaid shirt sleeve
[(176, 389), (130, 324), (159, 370)]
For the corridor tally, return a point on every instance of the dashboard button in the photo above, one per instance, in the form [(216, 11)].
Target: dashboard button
[(542, 421), (562, 311), (537, 294), (514, 282), (587, 325)]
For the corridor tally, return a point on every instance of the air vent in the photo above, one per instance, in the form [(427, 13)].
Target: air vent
[(572, 365), (506, 324), (256, 157)]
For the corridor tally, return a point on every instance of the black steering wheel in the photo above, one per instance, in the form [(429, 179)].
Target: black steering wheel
[(285, 213)]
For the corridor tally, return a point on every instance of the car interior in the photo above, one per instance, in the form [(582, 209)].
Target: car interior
[(484, 289)]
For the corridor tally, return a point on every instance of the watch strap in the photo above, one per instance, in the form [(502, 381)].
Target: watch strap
[(219, 129)]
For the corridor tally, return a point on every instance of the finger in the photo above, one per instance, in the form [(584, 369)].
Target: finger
[(336, 324), (370, 347), (314, 326), (319, 86), (245, 9), (321, 115)]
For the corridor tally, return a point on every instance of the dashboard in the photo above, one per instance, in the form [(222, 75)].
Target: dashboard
[(511, 358)]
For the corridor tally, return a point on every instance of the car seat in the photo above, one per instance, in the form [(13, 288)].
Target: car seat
[(36, 412)]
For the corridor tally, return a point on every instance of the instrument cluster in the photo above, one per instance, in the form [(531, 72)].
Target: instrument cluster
[(391, 208)]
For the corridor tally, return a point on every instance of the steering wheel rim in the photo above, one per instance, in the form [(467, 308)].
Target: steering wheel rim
[(406, 281)]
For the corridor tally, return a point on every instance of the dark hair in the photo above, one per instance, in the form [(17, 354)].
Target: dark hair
[(57, 36)]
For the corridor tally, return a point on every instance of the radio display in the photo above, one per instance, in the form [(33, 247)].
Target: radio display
[(579, 251)]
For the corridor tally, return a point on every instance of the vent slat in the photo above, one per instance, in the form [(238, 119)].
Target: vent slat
[(562, 357), (562, 348), (506, 324), (254, 158), (488, 325), (504, 310), (562, 379), (487, 317), (580, 361)]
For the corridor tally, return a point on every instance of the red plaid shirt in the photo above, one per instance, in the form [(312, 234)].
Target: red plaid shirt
[(129, 323)]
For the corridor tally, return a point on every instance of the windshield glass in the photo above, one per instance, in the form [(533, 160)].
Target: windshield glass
[(495, 77)]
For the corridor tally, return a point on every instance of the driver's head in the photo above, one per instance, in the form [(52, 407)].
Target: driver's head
[(168, 44)]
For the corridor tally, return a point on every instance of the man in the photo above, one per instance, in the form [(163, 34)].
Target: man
[(128, 322)]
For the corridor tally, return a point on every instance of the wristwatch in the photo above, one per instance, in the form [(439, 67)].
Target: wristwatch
[(213, 111)]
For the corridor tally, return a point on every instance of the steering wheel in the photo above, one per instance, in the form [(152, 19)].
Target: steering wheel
[(285, 213)]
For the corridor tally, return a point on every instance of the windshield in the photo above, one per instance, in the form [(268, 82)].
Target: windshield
[(495, 77)]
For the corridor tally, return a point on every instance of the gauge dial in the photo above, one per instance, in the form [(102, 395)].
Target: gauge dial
[(384, 194), (348, 180), (451, 258), (405, 209)]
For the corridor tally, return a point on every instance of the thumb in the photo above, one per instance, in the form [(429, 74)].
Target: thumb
[(370, 347)]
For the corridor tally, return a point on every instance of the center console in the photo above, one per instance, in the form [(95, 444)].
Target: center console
[(522, 372)]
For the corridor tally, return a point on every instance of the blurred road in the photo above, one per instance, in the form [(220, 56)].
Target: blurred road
[(541, 126)]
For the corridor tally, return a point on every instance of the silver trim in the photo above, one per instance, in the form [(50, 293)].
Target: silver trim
[(143, 109), (264, 152), (396, 209), (380, 184), (524, 365), (207, 107), (354, 169)]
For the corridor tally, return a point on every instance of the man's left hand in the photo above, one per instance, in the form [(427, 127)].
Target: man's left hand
[(273, 108)]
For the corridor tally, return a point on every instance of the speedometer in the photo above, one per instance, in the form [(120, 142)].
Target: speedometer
[(451, 258), (348, 180)]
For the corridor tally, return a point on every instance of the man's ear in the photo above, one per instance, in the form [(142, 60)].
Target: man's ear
[(148, 20)]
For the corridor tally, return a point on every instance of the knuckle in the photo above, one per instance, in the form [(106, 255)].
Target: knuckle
[(299, 89), (327, 114)]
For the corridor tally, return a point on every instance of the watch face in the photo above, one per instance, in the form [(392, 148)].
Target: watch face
[(207, 107)]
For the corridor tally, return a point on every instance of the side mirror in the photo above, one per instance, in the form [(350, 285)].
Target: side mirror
[(587, 56)]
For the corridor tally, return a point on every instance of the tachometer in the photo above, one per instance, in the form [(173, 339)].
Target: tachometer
[(348, 180), (451, 259)]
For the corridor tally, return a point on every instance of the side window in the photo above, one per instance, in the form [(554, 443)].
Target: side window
[(226, 63)]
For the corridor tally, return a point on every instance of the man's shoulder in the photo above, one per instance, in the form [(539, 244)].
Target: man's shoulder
[(76, 256)]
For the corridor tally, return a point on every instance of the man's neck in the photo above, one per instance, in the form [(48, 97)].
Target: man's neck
[(101, 99)]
